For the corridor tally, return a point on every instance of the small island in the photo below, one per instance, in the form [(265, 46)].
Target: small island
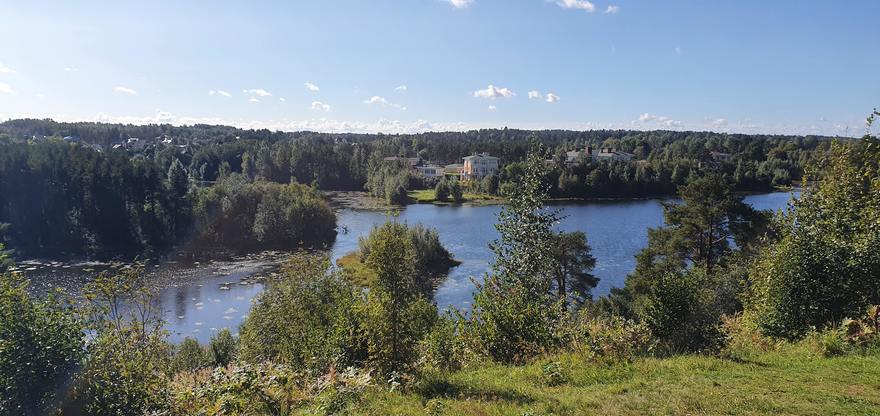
[(432, 261)]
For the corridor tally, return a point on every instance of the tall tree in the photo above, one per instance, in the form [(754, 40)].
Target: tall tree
[(575, 262)]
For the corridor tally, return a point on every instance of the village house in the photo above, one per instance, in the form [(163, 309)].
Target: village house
[(608, 153), (587, 154), (721, 157), (430, 171)]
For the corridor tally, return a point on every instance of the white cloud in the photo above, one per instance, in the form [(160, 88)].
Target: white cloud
[(535, 95), (492, 108), (319, 106), (125, 90), (70, 69), (382, 101), (718, 122), (678, 50), (400, 88), (282, 99), (611, 9), (253, 100), (5, 88), (258, 92), (577, 4), (551, 97), (311, 87), (460, 4), (656, 120), (5, 69), (219, 92), (492, 92)]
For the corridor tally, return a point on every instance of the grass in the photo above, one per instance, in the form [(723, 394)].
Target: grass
[(791, 381), (428, 196), (354, 270)]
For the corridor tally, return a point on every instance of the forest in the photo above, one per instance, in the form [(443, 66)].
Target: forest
[(724, 302), (66, 191)]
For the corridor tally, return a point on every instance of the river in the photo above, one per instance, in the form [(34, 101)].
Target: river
[(199, 299)]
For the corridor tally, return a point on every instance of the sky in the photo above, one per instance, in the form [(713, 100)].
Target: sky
[(403, 66)]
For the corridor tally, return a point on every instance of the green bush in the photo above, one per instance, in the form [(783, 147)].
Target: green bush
[(190, 356), (306, 321), (443, 349), (826, 265), (611, 338), (223, 348), (441, 190), (41, 344)]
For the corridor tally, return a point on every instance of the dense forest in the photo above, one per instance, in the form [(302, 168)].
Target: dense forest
[(722, 292), (91, 189)]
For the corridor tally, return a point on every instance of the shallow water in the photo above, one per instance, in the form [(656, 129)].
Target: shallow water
[(199, 299)]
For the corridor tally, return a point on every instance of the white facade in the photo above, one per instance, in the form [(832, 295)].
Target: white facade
[(479, 166)]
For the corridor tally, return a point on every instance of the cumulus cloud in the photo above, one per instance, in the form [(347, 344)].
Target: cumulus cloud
[(492, 108), (551, 97), (219, 92), (662, 121), (5, 88), (718, 122), (70, 69), (611, 9), (460, 4), (282, 99), (311, 87), (5, 69), (400, 88), (492, 92), (253, 100), (258, 92), (125, 90), (577, 4), (319, 106), (383, 102), (535, 95)]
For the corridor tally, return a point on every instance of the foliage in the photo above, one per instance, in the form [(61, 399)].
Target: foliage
[(189, 355), (826, 265), (611, 338), (396, 316), (306, 321), (223, 348), (236, 214), (443, 349), (126, 369), (514, 315), (40, 347), (575, 262), (389, 182)]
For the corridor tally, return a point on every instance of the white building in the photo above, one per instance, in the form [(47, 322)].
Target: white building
[(608, 153), (478, 166), (430, 171)]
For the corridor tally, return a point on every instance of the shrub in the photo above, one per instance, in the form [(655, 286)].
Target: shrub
[(441, 190), (242, 389), (40, 346), (611, 338), (442, 349), (190, 356), (223, 348), (826, 265), (306, 321)]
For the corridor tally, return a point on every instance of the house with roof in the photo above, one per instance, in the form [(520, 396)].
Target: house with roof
[(608, 153), (478, 166)]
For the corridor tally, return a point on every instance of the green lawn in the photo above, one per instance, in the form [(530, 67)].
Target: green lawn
[(776, 383), (354, 270), (428, 196)]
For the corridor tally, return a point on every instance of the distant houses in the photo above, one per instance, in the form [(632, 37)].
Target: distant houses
[(587, 154), (475, 167)]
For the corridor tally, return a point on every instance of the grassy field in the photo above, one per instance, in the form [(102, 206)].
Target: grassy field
[(427, 196), (790, 382)]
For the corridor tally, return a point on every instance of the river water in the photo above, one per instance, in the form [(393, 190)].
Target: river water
[(199, 299)]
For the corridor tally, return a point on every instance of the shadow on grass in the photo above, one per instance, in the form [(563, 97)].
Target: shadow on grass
[(440, 388)]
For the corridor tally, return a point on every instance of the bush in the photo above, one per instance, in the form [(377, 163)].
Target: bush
[(682, 312), (40, 346), (223, 348), (442, 349), (611, 338), (441, 190), (190, 356), (306, 321), (826, 266)]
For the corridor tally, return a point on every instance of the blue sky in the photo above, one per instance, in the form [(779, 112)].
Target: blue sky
[(416, 65)]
